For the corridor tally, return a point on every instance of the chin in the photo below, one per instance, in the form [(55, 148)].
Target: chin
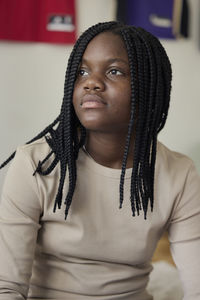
[(92, 122), (92, 126)]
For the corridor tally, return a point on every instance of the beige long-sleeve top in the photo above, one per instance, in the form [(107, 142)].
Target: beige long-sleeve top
[(100, 251)]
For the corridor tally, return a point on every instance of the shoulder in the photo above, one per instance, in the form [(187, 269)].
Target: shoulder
[(172, 161), (174, 170), (33, 152), (21, 190), (177, 186), (19, 178)]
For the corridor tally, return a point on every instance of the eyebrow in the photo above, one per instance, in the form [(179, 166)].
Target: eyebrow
[(110, 60), (113, 60)]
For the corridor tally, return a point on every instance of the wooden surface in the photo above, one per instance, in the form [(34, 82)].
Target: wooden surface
[(163, 251)]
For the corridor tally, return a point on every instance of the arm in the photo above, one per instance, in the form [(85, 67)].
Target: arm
[(20, 209), (184, 235)]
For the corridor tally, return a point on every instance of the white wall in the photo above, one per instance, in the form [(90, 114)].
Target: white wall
[(182, 130), (32, 80)]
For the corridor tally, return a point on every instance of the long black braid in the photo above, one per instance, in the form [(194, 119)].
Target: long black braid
[(150, 85)]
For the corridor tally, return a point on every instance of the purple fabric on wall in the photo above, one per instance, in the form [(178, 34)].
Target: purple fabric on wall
[(153, 15)]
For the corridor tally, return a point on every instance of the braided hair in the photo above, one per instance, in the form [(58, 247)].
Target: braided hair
[(150, 85)]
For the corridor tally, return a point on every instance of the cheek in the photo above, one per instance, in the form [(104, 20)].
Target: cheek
[(76, 97), (124, 89), (122, 98), (124, 103)]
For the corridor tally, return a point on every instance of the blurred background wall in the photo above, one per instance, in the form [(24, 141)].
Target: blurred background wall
[(32, 80)]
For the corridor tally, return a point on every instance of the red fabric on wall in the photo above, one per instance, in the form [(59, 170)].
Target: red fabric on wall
[(38, 20)]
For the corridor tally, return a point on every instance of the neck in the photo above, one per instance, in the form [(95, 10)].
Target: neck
[(108, 149)]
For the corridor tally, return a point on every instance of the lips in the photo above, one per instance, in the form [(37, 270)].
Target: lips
[(92, 101)]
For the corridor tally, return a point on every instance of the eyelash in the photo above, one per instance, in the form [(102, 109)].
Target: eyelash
[(80, 73), (116, 70), (81, 70)]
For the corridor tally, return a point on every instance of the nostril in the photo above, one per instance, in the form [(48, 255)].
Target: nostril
[(93, 87), (94, 83)]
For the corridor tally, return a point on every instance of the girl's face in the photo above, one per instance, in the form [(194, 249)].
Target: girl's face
[(102, 90)]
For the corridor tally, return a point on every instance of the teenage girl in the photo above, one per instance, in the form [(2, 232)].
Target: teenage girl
[(86, 201)]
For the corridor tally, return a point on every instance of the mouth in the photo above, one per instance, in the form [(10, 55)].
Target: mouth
[(92, 101)]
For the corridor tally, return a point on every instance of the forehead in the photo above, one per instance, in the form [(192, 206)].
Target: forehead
[(104, 46)]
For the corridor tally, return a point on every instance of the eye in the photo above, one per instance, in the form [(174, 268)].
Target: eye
[(82, 72), (115, 72)]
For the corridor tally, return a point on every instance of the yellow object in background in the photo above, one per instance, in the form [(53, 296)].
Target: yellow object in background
[(163, 250)]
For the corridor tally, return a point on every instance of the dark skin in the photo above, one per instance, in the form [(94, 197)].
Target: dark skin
[(101, 99)]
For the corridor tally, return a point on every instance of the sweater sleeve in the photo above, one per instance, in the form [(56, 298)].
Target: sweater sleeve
[(20, 210), (184, 235)]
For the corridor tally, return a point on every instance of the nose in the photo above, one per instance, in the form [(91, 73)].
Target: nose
[(95, 83)]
